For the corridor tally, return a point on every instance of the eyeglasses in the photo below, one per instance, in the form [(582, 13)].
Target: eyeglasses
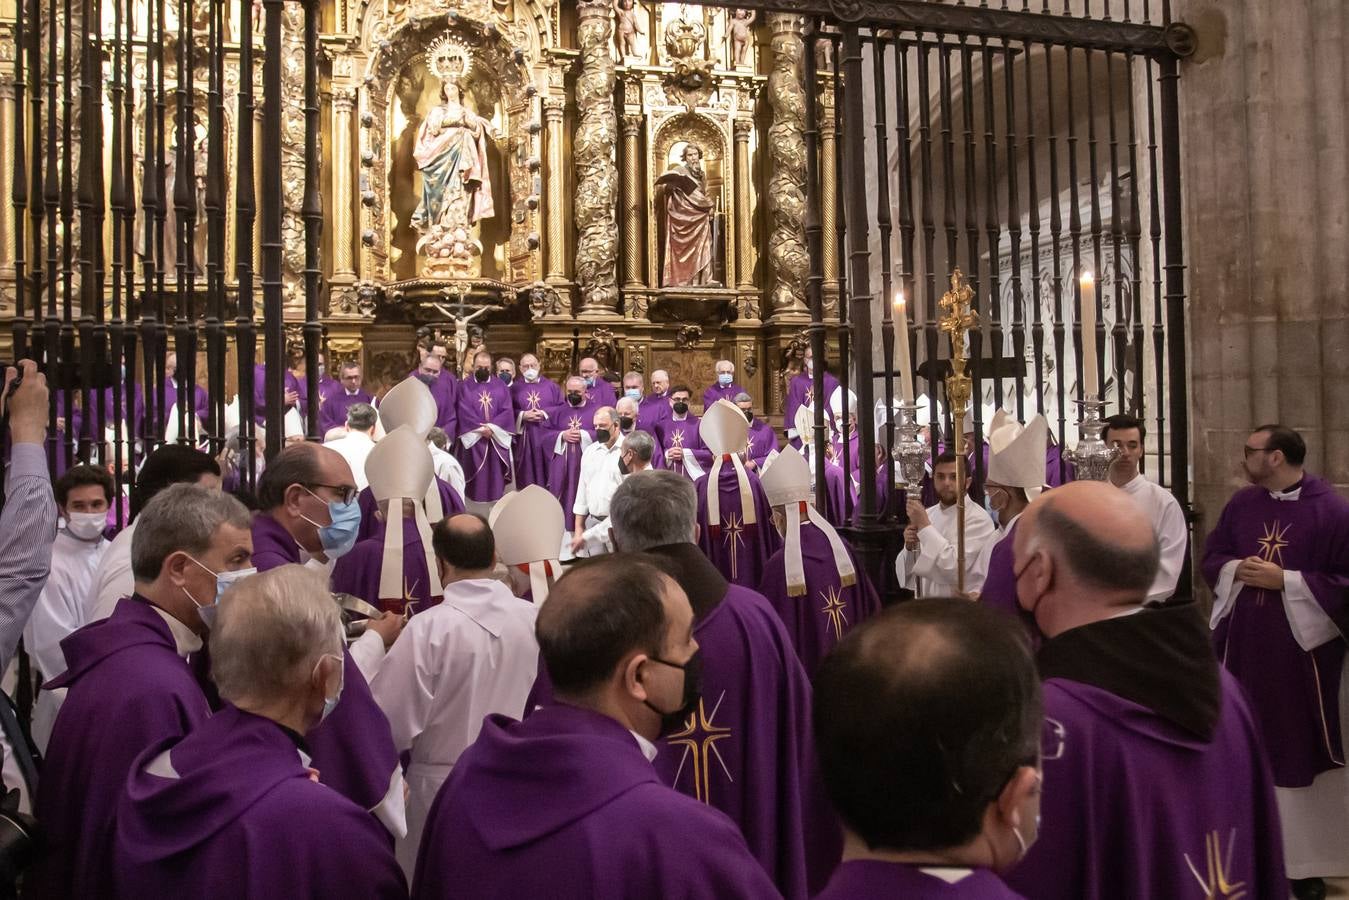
[(345, 493), (1251, 451)]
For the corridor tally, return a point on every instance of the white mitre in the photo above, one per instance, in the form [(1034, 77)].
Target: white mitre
[(1017, 453), (787, 485), (526, 525), (398, 469), (725, 431), (409, 403)]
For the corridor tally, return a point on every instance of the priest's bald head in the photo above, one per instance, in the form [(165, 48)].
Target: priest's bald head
[(927, 723), (1083, 552), (616, 637)]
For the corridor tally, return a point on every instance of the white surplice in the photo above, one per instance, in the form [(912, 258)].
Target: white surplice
[(1168, 524), (455, 663), (448, 470), (355, 448), (930, 571)]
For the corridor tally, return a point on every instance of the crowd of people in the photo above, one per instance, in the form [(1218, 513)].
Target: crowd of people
[(502, 636)]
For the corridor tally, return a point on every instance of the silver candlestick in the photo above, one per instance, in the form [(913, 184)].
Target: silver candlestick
[(909, 451), (1091, 458)]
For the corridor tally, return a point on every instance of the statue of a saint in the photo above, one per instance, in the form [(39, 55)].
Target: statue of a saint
[(627, 27), (689, 215), (740, 36), (451, 152)]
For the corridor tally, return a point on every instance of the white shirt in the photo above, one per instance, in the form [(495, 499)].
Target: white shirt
[(599, 479), (447, 469), (455, 663), (931, 570), (354, 448), (61, 607), (112, 579), (1168, 523)]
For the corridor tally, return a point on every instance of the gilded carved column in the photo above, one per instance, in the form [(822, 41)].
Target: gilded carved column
[(596, 174), (632, 202), (344, 102), (828, 191), (787, 257), (7, 172), (556, 245), (744, 239)]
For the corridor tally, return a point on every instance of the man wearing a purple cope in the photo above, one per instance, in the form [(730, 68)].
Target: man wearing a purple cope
[(744, 748), (1154, 772), (532, 395), (486, 418), (596, 388), (333, 412), (130, 680), (232, 810), (927, 721), (353, 748), (442, 383), (568, 430), (725, 387), (566, 804), (654, 406), (201, 404), (801, 392), (762, 440), (1278, 562)]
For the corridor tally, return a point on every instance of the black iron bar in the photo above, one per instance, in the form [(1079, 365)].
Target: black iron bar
[(245, 203), (214, 207), (1033, 224), (184, 198), (1118, 332), (273, 325), (312, 213), (1056, 262), (122, 274), (83, 197), (930, 333), (1014, 235), (19, 184), (879, 50), (36, 192), (51, 191), (814, 230), (1135, 238), (842, 122), (1075, 228), (1169, 77)]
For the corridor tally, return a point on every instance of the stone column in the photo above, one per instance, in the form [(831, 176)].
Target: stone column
[(596, 174), (788, 261), (1266, 155), (632, 202), (556, 241), (344, 175), (744, 235)]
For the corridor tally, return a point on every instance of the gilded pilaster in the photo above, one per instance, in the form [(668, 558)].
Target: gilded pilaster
[(744, 238), (787, 256), (828, 191), (344, 102), (556, 246), (596, 174), (632, 202), (6, 172)]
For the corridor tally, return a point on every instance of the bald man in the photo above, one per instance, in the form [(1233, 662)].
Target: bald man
[(655, 406), (596, 388), (1158, 773)]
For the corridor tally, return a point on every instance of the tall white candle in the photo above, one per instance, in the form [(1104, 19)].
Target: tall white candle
[(905, 365), (1090, 386)]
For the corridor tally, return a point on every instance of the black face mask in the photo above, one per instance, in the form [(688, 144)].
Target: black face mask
[(623, 468), (673, 721), (428, 380), (574, 398), (625, 423), (680, 407), (505, 376), (602, 435), (749, 416), (481, 374)]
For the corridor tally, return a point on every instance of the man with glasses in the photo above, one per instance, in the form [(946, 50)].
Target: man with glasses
[(1126, 434), (1157, 771), (1278, 563)]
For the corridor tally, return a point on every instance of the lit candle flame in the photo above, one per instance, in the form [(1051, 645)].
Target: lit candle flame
[(899, 300), (1088, 278)]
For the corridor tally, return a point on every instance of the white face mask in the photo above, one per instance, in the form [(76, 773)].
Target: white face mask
[(86, 526), (530, 374)]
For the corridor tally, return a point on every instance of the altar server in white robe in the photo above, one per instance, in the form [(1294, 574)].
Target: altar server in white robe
[(466, 658), (928, 564), (1126, 433)]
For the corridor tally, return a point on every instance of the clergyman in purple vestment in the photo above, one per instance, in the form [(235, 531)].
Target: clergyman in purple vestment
[(231, 809), (679, 446), (1278, 563), (358, 573), (566, 804), (655, 405), (333, 413), (1157, 773), (486, 419), (927, 722), (737, 547), (801, 392), (532, 396), (719, 391), (372, 526), (575, 416)]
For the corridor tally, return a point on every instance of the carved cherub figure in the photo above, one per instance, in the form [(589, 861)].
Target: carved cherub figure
[(739, 35), (628, 26)]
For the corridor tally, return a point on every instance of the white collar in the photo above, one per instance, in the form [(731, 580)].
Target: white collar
[(648, 749), (1288, 496), (948, 874), (185, 640), (354, 393)]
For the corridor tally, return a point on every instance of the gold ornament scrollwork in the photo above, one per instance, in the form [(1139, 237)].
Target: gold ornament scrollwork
[(787, 256), (596, 173)]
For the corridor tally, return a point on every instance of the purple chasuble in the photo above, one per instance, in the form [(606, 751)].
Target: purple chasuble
[(532, 451), (999, 589), (231, 812), (358, 572), (564, 469), (443, 388), (353, 748), (564, 805), (840, 501), (1053, 455), (738, 550), (272, 544), (717, 392), (487, 465), (333, 412), (201, 403), (601, 393), (1294, 693), (762, 441), (328, 386), (652, 410), (871, 879), (289, 383), (683, 434), (817, 620), (1156, 784), (373, 526), (801, 392), (128, 690)]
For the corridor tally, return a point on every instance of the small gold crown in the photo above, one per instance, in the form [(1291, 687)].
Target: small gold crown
[(449, 59)]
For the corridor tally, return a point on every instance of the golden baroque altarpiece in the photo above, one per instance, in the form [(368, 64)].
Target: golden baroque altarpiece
[(623, 179)]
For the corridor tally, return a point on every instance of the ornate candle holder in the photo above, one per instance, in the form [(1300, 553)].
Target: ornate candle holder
[(1092, 456), (909, 451), (956, 320)]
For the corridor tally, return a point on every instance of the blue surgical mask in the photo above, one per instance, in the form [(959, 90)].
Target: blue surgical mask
[(724, 379), (223, 582), (338, 537), (633, 394), (992, 513), (590, 381)]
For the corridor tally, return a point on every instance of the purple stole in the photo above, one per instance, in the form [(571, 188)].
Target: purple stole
[(487, 465), (532, 451), (738, 549)]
